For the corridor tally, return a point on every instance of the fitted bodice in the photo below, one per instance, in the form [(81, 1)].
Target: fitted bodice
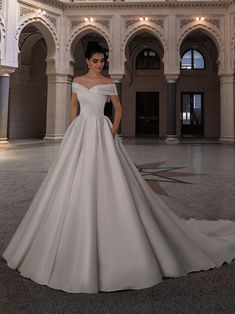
[(92, 100)]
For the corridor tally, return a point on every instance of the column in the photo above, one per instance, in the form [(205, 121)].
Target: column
[(171, 113), (58, 105), (4, 104), (227, 111)]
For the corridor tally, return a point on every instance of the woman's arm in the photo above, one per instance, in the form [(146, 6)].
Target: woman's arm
[(73, 107), (118, 113)]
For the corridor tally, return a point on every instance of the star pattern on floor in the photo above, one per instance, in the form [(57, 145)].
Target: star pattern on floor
[(155, 174)]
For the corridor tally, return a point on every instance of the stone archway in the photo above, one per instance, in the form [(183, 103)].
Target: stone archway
[(28, 87), (210, 33), (78, 48), (58, 91)]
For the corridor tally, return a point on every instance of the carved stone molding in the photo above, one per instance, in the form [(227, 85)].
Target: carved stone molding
[(1, 5), (76, 31), (156, 25), (27, 10), (185, 22), (141, 4), (214, 21), (233, 32), (41, 19), (216, 35), (212, 24), (52, 19), (80, 21), (129, 29), (130, 21), (2, 28), (104, 22), (232, 42)]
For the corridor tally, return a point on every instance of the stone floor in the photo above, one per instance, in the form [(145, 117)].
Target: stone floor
[(195, 178)]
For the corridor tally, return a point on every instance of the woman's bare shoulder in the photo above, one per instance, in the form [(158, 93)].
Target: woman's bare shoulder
[(77, 79), (108, 80)]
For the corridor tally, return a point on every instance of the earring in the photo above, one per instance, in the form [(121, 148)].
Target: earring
[(88, 66)]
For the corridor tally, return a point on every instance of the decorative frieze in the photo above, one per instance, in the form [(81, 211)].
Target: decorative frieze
[(25, 10), (52, 19), (140, 4), (129, 22), (205, 20), (212, 21), (76, 23), (155, 24), (185, 22), (104, 22)]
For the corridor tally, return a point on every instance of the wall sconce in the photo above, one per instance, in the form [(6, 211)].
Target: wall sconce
[(89, 19), (200, 18), (144, 19), (39, 11)]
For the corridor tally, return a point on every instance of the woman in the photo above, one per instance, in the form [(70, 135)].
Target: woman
[(95, 224)]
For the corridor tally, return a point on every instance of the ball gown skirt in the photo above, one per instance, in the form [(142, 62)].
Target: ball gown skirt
[(96, 225)]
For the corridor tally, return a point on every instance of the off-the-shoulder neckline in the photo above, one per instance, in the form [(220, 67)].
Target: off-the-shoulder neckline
[(92, 86)]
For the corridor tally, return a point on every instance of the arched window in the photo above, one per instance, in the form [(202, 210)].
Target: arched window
[(192, 59), (147, 59)]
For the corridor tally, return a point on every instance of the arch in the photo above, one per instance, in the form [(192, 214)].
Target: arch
[(77, 34), (138, 29), (26, 49), (48, 32), (140, 48), (192, 50), (210, 32)]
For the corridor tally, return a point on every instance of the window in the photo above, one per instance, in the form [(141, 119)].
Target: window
[(147, 59), (192, 60)]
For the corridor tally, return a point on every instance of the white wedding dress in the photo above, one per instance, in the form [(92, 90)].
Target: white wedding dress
[(96, 225)]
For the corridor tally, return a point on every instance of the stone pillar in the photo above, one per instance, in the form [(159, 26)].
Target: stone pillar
[(227, 110), (58, 99), (4, 104), (171, 112)]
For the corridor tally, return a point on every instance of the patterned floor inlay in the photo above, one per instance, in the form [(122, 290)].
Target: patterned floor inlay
[(153, 173)]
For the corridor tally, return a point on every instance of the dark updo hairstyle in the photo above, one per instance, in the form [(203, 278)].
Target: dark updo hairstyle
[(93, 47)]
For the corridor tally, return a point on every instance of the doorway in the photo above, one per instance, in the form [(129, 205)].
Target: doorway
[(147, 113), (192, 114)]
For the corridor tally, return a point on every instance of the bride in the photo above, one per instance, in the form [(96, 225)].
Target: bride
[(94, 223)]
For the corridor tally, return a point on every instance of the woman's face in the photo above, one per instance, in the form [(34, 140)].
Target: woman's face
[(96, 62)]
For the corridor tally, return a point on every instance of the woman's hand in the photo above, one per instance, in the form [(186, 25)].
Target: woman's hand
[(113, 131)]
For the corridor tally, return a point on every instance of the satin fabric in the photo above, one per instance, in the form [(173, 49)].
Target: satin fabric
[(96, 225)]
